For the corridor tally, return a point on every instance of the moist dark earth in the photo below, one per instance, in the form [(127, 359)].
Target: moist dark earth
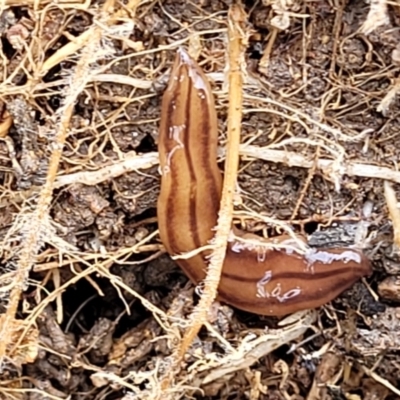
[(90, 336)]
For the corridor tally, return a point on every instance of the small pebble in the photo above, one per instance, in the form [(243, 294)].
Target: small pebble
[(389, 288)]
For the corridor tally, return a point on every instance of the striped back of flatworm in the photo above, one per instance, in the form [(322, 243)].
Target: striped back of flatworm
[(255, 276)]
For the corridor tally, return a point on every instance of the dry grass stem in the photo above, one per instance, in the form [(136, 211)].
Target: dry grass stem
[(131, 162), (76, 5), (251, 349), (394, 211), (377, 16), (330, 168), (390, 97), (237, 42), (381, 380)]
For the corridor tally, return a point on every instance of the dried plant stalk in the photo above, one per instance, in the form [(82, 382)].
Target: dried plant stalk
[(377, 16), (34, 226), (236, 48), (134, 162), (77, 5), (394, 211)]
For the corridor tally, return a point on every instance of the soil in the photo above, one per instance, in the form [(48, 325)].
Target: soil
[(91, 305)]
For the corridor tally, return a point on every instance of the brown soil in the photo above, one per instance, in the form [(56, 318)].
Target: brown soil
[(91, 306)]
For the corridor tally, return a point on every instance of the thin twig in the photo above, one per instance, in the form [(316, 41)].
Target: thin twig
[(135, 162), (394, 211), (236, 47), (237, 41), (380, 380)]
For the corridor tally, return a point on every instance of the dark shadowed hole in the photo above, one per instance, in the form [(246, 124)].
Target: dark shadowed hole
[(310, 227), (147, 144)]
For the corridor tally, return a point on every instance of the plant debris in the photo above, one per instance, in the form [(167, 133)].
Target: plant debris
[(91, 307)]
